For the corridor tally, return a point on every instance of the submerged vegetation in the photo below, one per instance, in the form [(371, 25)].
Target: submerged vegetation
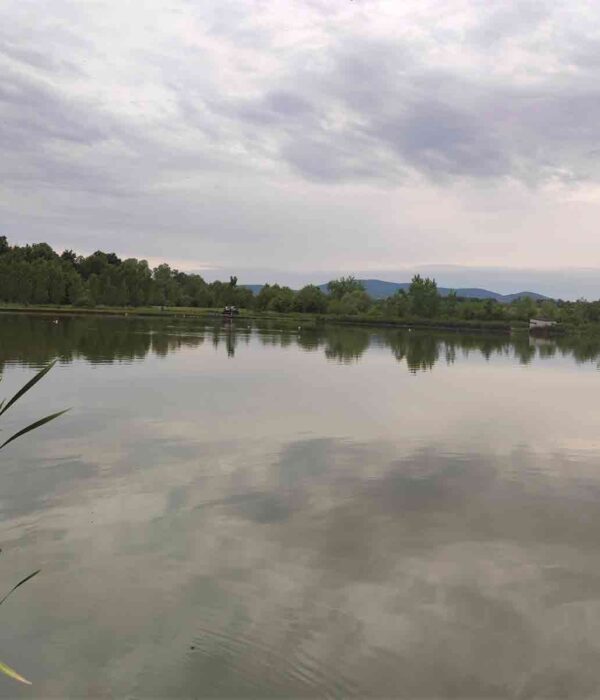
[(37, 275), (4, 406)]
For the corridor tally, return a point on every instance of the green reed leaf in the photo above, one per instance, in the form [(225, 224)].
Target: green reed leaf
[(33, 426), (4, 668), (28, 386), (14, 588)]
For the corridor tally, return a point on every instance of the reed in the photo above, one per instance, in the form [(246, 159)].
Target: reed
[(4, 406)]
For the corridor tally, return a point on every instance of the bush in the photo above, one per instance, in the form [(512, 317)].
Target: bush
[(85, 301)]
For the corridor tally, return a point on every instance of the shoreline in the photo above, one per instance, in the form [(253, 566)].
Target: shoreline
[(305, 318)]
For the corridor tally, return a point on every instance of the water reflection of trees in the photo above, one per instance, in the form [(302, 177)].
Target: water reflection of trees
[(420, 351), (346, 344), (30, 339), (36, 339)]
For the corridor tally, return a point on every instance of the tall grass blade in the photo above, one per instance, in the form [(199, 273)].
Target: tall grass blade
[(28, 386), (13, 674), (33, 426), (14, 588), (4, 406)]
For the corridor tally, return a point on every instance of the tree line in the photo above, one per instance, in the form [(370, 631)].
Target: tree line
[(36, 274)]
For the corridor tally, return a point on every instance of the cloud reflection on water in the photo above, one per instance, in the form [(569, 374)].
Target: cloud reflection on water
[(310, 528)]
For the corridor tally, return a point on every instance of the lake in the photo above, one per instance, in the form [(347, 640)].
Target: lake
[(236, 511)]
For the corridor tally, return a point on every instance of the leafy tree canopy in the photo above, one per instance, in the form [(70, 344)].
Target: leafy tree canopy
[(344, 285)]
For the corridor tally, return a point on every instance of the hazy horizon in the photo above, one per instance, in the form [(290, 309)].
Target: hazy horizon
[(567, 284), (558, 284)]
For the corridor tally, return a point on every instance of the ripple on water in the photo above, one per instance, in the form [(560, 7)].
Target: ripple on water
[(255, 666)]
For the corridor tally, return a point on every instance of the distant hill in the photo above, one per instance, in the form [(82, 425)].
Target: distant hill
[(254, 288), (379, 289)]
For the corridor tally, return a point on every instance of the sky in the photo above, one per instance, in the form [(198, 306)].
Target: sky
[(309, 138)]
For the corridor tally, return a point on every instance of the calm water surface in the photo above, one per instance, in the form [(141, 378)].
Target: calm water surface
[(280, 512)]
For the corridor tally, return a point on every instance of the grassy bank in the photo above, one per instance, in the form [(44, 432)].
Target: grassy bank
[(154, 311), (303, 319)]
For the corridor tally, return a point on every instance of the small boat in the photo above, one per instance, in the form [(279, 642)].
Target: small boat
[(230, 311)]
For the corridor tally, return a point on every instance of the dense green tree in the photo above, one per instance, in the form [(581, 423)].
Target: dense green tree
[(524, 308), (265, 295), (549, 310), (310, 299), (396, 305), (283, 301), (424, 299), (244, 298), (165, 287), (450, 303), (39, 251), (352, 303), (69, 256), (344, 285), (93, 264), (74, 288)]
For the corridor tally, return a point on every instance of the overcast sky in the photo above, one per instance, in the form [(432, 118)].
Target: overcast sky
[(308, 137)]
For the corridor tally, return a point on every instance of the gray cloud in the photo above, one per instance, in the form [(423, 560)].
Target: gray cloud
[(248, 132), (507, 21), (34, 113), (434, 120)]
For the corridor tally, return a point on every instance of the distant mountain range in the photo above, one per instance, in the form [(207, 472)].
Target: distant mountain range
[(379, 289)]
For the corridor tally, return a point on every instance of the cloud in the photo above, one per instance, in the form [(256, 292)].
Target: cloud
[(376, 97), (389, 92), (252, 131)]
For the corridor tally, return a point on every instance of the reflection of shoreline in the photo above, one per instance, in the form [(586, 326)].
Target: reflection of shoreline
[(34, 339)]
